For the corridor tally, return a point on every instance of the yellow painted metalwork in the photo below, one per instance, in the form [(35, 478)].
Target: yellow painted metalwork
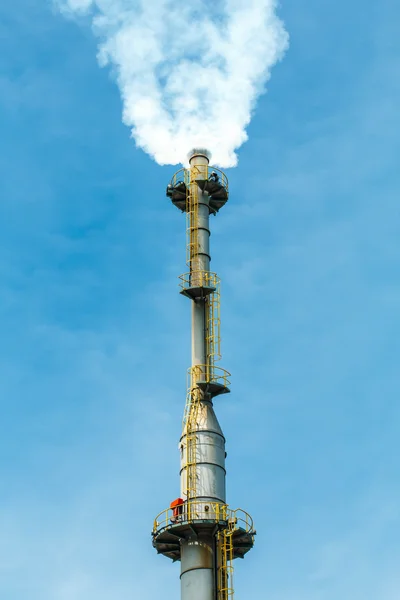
[(201, 510), (225, 590), (193, 398), (197, 374), (192, 222), (204, 279), (203, 287), (192, 412), (227, 521), (193, 510), (184, 175), (213, 328), (203, 374), (197, 277)]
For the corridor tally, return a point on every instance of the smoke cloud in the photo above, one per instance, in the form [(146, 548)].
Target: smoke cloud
[(189, 71)]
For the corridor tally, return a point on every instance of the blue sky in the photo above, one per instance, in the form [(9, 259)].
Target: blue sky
[(94, 337)]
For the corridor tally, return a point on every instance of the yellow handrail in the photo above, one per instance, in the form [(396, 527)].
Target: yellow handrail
[(183, 176), (199, 279), (201, 510), (207, 374)]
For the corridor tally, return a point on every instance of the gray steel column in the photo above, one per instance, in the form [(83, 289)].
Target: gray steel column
[(198, 554), (197, 571), (200, 264), (210, 467)]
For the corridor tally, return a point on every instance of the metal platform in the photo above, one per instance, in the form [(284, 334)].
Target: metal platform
[(217, 188), (217, 191), (213, 388), (212, 381), (198, 284), (177, 193), (167, 541), (196, 292)]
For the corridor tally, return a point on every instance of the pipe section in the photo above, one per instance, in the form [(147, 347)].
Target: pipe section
[(197, 575)]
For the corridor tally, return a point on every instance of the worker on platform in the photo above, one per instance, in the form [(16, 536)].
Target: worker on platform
[(177, 510), (214, 177)]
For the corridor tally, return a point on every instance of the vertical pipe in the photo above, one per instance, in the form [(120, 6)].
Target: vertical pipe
[(198, 573), (199, 347), (200, 264), (198, 554)]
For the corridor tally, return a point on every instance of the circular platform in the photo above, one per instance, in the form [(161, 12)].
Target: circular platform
[(168, 541), (171, 529), (214, 182)]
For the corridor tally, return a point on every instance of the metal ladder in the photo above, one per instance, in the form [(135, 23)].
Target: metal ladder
[(193, 398), (192, 220), (213, 331), (192, 411), (225, 589), (213, 338)]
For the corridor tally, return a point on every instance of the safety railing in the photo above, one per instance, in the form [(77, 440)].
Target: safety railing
[(203, 511), (201, 279), (181, 176), (207, 374), (242, 520), (184, 176), (219, 176)]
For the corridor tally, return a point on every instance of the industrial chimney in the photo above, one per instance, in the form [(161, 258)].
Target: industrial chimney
[(199, 529)]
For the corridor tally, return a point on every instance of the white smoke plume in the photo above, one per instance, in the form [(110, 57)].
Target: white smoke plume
[(189, 71)]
